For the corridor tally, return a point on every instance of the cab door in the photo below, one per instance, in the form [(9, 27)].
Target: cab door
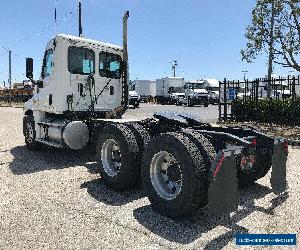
[(47, 79), (108, 81), (81, 65)]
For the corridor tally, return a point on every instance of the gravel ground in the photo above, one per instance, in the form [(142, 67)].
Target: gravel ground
[(55, 200)]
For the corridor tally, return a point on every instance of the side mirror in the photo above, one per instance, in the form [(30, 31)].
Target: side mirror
[(29, 68), (39, 84)]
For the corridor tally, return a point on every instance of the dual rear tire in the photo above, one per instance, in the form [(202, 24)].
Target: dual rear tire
[(173, 167)]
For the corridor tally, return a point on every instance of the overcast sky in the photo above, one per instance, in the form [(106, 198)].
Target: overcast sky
[(205, 37)]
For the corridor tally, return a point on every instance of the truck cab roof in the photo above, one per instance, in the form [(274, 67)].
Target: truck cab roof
[(87, 42)]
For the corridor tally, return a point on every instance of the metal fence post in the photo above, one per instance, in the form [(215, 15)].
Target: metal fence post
[(219, 104), (225, 99), (294, 89)]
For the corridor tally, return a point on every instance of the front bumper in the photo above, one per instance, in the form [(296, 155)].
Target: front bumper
[(199, 100), (133, 101)]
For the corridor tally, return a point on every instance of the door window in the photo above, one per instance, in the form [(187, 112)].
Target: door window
[(48, 63), (110, 65), (81, 61)]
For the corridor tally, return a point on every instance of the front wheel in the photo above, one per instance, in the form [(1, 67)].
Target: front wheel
[(29, 132), (189, 102)]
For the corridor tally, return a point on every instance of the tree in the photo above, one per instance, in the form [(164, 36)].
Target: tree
[(275, 29)]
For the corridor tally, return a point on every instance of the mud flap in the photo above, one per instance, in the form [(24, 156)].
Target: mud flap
[(223, 188), (279, 158)]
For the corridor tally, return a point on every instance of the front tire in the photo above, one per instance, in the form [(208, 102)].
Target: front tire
[(29, 132), (174, 175)]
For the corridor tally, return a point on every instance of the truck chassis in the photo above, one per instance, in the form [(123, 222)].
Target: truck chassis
[(182, 163)]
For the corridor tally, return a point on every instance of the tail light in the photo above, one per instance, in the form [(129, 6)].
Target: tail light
[(247, 162), (254, 142)]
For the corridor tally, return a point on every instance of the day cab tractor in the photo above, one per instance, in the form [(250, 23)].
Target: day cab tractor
[(183, 163)]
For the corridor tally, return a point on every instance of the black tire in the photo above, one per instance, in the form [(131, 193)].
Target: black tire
[(261, 167), (194, 175), (189, 102), (29, 132), (129, 173), (206, 104), (207, 149), (136, 104), (142, 137)]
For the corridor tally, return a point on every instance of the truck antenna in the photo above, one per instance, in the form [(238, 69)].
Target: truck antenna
[(55, 16), (79, 18)]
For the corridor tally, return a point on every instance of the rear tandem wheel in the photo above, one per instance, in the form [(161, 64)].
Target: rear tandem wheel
[(174, 175)]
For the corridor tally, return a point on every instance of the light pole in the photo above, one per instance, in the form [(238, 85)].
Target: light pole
[(174, 65), (245, 72)]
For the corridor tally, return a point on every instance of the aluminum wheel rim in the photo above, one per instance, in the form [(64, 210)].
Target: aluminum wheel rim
[(166, 175), (111, 157), (30, 133)]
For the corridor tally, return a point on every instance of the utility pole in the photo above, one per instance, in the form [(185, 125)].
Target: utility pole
[(271, 51), (9, 75), (79, 18)]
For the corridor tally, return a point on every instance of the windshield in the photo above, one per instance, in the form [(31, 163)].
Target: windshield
[(195, 85), (81, 61), (176, 90), (213, 88)]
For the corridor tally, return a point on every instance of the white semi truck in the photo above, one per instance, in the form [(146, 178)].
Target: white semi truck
[(183, 164)]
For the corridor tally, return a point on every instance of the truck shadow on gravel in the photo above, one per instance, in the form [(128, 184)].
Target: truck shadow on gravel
[(27, 162), (99, 191), (187, 230)]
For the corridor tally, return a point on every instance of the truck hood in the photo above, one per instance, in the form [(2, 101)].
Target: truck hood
[(133, 93), (177, 94), (200, 91)]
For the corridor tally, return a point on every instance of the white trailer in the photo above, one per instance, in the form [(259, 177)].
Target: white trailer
[(168, 87), (145, 88)]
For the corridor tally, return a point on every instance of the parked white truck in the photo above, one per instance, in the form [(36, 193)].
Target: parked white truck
[(145, 88), (134, 98), (183, 163), (168, 89), (195, 94)]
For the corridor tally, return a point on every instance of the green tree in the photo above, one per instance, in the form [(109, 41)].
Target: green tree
[(275, 29)]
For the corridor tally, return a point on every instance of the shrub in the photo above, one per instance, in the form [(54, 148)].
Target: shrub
[(263, 110)]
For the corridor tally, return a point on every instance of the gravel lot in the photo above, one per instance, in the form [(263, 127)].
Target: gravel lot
[(55, 199)]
